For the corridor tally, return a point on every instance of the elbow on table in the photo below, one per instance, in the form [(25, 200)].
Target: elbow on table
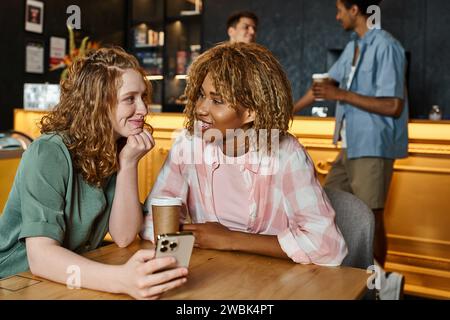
[(330, 260), (120, 238), (36, 271), (35, 266), (331, 255), (36, 247), (124, 242)]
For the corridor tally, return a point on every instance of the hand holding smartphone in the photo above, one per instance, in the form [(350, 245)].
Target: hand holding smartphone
[(178, 245)]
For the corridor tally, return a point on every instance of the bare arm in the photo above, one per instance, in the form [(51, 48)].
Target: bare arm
[(257, 243), (212, 235), (304, 101), (126, 217), (49, 260), (126, 214), (392, 107)]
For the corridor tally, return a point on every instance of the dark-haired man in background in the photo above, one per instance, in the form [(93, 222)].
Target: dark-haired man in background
[(371, 119), (242, 26)]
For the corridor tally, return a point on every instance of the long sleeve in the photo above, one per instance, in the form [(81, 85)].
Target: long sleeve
[(170, 183), (312, 235)]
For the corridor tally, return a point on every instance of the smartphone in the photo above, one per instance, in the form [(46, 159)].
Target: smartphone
[(178, 245)]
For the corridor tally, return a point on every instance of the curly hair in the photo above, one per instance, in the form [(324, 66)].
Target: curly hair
[(246, 75), (87, 103)]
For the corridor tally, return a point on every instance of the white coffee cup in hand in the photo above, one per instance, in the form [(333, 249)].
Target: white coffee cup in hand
[(319, 78)]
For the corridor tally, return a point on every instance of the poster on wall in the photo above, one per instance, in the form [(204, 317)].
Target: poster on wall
[(34, 57), (34, 16), (57, 51), (40, 95)]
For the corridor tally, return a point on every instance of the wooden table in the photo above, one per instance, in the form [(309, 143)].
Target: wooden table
[(212, 275)]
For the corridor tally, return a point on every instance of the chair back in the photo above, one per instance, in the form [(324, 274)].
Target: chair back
[(357, 224)]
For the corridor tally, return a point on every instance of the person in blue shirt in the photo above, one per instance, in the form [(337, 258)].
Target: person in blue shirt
[(371, 112)]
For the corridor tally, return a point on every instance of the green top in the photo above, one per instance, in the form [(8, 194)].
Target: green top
[(49, 199)]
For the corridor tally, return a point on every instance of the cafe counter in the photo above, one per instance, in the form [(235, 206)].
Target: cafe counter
[(417, 212), (9, 162)]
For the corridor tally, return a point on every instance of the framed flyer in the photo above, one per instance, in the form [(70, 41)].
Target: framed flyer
[(34, 57), (57, 51), (34, 16)]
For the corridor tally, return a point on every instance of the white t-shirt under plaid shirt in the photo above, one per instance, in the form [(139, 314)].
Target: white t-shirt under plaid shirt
[(284, 197)]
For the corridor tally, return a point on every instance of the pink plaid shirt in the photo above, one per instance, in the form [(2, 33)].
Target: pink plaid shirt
[(286, 198)]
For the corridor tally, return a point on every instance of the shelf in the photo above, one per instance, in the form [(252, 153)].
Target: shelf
[(185, 18), (151, 20), (155, 77), (147, 46), (185, 13)]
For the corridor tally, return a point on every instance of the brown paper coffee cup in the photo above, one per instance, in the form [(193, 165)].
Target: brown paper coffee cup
[(166, 215)]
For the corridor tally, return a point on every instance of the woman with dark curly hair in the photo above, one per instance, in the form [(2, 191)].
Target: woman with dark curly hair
[(79, 180), (247, 183)]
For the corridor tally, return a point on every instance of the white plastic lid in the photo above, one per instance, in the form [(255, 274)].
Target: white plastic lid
[(165, 201), (320, 76)]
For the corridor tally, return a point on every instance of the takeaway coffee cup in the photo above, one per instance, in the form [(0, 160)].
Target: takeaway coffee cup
[(318, 78), (166, 215)]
